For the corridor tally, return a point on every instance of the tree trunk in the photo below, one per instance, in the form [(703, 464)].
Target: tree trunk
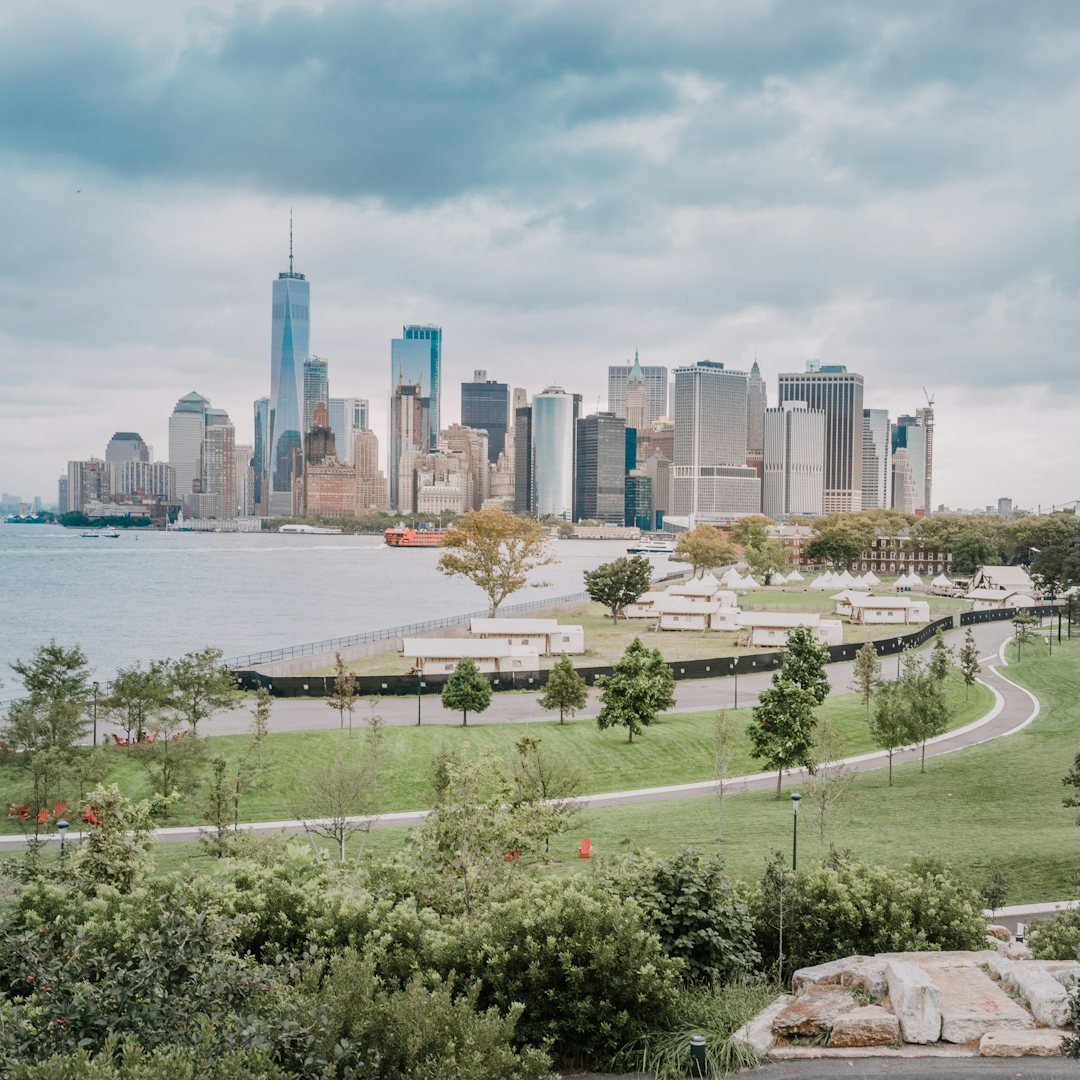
[(341, 846), (341, 713), (890, 768), (630, 734), (464, 717), (923, 769), (560, 714), (779, 781)]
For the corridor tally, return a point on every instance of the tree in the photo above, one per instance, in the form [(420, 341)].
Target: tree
[(172, 757), (618, 583), (200, 685), (540, 776), (136, 698), (639, 687), (969, 662), (565, 689), (466, 689), (751, 531), (723, 754), (866, 672), (1072, 779), (941, 658), (344, 695), (704, 547), (803, 663), (1023, 629), (496, 551), (890, 722), (119, 838), (53, 713), (339, 800), (996, 890), (830, 786), (767, 559), (222, 809), (840, 539), (782, 730)]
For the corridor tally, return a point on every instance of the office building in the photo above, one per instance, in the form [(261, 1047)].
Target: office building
[(638, 506), (905, 494), (416, 360), (793, 461), (260, 457), (656, 389), (87, 482), (711, 476), (371, 489), (289, 348), (637, 404), (143, 480), (126, 446), (600, 469), (877, 460), (1005, 507), (524, 500), (187, 429), (62, 495), (472, 445), (916, 435), (756, 403), (553, 453), (410, 433), (217, 495), (485, 406), (659, 435), (243, 478), (316, 388), (319, 442), (348, 416), (657, 467), (838, 393), (330, 489)]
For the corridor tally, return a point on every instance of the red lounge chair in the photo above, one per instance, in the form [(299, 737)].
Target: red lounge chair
[(584, 848)]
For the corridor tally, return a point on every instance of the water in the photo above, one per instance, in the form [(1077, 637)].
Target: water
[(151, 595)]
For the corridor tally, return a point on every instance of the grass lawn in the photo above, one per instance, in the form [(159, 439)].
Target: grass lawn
[(605, 641), (675, 750)]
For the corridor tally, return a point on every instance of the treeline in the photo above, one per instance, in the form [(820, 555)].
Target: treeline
[(77, 519)]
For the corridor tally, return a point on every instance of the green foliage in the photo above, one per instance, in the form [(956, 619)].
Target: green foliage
[(136, 698), (704, 547), (53, 714), (466, 690), (1057, 937), (584, 964), (173, 757), (782, 731), (890, 723), (969, 662), (200, 685), (995, 890), (941, 659), (619, 582), (1072, 779), (695, 909), (547, 779), (116, 849), (803, 663), (923, 695), (866, 672), (344, 695), (639, 687), (840, 539), (1024, 629), (767, 558), (851, 908), (565, 689)]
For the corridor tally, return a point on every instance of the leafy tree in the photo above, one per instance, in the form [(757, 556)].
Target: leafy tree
[(840, 539), (200, 685), (830, 787), (751, 531), (1023, 629), (54, 712), (540, 776), (866, 672), (996, 890), (890, 722), (1072, 779), (724, 749), (565, 689), (803, 663), (618, 583), (172, 757), (339, 800), (137, 697), (639, 687), (466, 689), (941, 658), (767, 559), (119, 838), (344, 695), (971, 551), (496, 551), (782, 730), (969, 662), (222, 809), (704, 547)]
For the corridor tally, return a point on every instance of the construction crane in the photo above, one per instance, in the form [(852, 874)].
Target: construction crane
[(929, 399)]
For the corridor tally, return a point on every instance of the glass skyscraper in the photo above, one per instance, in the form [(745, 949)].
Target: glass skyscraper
[(553, 453), (416, 360), (485, 406), (288, 351)]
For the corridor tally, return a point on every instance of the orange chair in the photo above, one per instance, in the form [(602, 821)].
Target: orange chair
[(584, 848)]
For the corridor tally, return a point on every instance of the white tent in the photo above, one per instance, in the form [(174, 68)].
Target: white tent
[(778, 579), (859, 582), (822, 583), (748, 583), (941, 582), (709, 578), (914, 579), (902, 582), (731, 577), (795, 576), (871, 578), (846, 580)]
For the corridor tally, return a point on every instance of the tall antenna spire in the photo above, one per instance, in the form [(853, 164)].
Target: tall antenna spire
[(290, 241)]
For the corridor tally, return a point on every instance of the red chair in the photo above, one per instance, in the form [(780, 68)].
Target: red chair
[(584, 848)]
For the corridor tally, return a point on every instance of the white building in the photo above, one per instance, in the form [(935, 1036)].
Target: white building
[(187, 429), (989, 599), (656, 390), (794, 467), (771, 628), (1015, 578), (439, 656), (348, 417), (883, 610), (877, 460), (544, 635), (553, 452)]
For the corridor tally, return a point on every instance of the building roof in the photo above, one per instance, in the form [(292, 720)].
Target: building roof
[(685, 605), (501, 627), (862, 600), (779, 619), (456, 648), (1006, 577), (990, 594)]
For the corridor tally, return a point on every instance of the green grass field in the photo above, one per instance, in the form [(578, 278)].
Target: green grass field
[(675, 750)]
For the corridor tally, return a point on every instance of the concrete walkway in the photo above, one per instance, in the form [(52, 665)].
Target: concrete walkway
[(1014, 708)]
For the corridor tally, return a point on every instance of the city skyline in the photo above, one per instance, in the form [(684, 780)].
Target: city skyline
[(948, 266)]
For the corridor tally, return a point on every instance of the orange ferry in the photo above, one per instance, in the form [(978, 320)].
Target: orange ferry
[(400, 536)]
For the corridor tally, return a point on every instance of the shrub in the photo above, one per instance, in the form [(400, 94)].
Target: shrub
[(1056, 938), (695, 910)]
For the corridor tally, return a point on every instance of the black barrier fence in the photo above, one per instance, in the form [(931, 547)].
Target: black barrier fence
[(967, 618), (716, 668)]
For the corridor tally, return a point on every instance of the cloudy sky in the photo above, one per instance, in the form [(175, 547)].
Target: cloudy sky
[(891, 186)]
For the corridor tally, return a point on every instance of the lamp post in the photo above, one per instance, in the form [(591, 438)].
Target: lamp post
[(419, 686), (94, 687), (899, 654), (735, 671), (795, 797), (62, 826)]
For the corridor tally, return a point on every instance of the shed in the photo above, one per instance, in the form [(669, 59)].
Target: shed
[(771, 628), (687, 613), (888, 610), (544, 635), (439, 656), (990, 599)]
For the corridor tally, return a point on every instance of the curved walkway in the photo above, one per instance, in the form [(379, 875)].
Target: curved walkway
[(1013, 709)]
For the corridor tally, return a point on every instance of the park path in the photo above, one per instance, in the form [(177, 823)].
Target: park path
[(1013, 709)]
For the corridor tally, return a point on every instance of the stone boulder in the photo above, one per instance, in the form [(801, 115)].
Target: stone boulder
[(973, 1004), (1042, 1042), (757, 1034), (814, 1011), (1044, 994), (869, 1025), (916, 1001)]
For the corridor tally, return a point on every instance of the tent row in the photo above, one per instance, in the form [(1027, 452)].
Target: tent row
[(846, 580)]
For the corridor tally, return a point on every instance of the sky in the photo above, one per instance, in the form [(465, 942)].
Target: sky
[(894, 187)]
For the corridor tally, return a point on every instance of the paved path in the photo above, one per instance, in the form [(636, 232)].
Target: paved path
[(1014, 708)]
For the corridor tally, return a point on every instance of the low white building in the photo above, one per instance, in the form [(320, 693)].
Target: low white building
[(543, 635), (991, 599), (439, 656), (687, 613), (1011, 578), (771, 628), (887, 610), (644, 607)]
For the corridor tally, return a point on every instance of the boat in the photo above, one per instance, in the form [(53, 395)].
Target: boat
[(310, 530), (91, 534), (651, 547), (112, 534), (401, 536)]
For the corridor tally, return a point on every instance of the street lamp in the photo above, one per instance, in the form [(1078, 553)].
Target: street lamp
[(899, 654), (62, 826), (419, 684), (795, 797), (735, 671), (95, 689)]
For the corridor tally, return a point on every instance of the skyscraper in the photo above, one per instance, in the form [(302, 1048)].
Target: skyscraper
[(911, 433), (839, 394), (877, 460), (637, 394), (905, 497), (289, 347), (793, 461), (485, 406), (126, 446), (260, 492), (711, 476), (218, 495), (925, 418), (316, 388), (409, 435), (600, 469), (187, 428), (553, 452), (656, 389), (524, 493), (87, 482), (756, 403), (416, 360), (371, 491), (348, 417)]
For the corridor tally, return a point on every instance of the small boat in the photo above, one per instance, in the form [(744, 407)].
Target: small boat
[(309, 530), (651, 547), (112, 534), (91, 534)]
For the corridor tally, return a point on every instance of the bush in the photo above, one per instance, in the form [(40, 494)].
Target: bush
[(583, 963), (1056, 938), (852, 908), (694, 908)]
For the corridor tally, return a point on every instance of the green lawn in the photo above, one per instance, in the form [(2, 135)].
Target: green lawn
[(676, 750)]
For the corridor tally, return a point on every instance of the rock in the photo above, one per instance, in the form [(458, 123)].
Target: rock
[(824, 973), (1043, 1042), (973, 1004), (1001, 933), (813, 1011), (870, 1025), (1047, 999), (916, 1001), (1001, 967), (1067, 972), (868, 976), (757, 1034), (1017, 950)]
